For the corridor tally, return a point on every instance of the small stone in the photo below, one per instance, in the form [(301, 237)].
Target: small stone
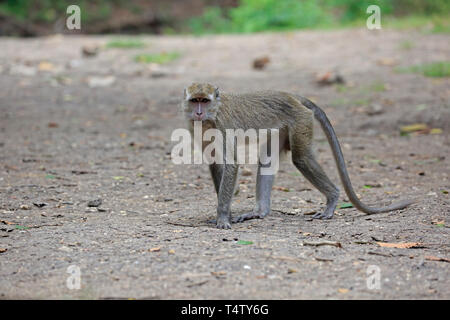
[(90, 50), (95, 203)]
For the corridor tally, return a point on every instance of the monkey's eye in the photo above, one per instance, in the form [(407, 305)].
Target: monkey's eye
[(203, 100)]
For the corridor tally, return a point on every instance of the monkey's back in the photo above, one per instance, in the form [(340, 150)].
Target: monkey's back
[(261, 110)]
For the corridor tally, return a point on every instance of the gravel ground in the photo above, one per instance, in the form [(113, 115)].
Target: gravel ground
[(75, 130)]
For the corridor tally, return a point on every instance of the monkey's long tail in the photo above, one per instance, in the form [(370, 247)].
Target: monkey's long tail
[(320, 115)]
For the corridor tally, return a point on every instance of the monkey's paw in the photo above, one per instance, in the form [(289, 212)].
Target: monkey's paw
[(223, 224), (248, 216), (327, 214)]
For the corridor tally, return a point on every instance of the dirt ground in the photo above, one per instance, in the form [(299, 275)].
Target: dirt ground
[(75, 129)]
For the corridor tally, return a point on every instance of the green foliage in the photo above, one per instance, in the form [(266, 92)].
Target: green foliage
[(260, 15), (51, 10), (434, 69), (269, 15), (254, 15), (213, 20), (160, 58), (125, 44), (351, 10)]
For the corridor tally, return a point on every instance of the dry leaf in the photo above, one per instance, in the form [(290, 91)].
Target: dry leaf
[(343, 290), (171, 251), (260, 63), (400, 245), (45, 66), (155, 249), (281, 189), (6, 222), (329, 78), (433, 258), (322, 243), (413, 128), (387, 62), (3, 250)]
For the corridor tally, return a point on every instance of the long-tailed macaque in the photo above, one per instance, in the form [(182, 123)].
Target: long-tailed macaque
[(293, 116)]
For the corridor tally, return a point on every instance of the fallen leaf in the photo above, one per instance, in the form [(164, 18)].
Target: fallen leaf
[(433, 258), (281, 189), (343, 290), (244, 242), (3, 250), (323, 243), (400, 245), (387, 62), (171, 251), (155, 249), (345, 205), (329, 78), (413, 128), (218, 273), (95, 82), (7, 222), (19, 227), (290, 270), (436, 131), (437, 222), (45, 66), (260, 63)]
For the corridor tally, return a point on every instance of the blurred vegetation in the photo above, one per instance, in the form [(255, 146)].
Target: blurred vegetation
[(36, 11), (237, 16), (274, 15), (159, 58), (125, 44), (435, 70)]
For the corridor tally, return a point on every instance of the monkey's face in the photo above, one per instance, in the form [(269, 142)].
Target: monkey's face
[(201, 102)]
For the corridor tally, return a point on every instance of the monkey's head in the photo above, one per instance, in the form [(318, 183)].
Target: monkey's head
[(201, 102)]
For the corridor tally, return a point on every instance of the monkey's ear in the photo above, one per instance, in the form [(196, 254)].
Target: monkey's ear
[(216, 92)]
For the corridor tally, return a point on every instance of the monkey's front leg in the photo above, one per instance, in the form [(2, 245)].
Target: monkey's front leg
[(225, 195), (264, 185), (216, 174)]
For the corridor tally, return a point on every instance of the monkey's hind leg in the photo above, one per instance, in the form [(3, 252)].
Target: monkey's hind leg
[(314, 173)]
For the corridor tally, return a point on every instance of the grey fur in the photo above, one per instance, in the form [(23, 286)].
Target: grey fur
[(293, 115)]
